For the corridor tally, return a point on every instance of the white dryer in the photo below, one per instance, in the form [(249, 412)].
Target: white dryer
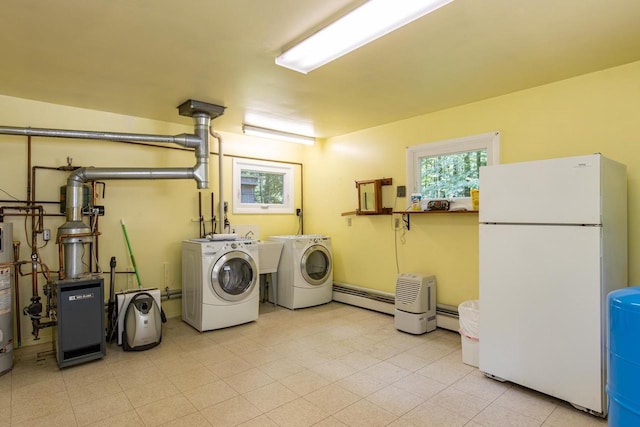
[(305, 271), (219, 283)]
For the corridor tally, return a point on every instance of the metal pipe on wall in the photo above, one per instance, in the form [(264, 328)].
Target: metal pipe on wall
[(201, 232), (213, 215), (75, 233), (185, 140), (29, 197), (221, 219), (16, 278)]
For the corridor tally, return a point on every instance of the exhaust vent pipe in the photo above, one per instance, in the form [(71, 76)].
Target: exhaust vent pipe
[(75, 233)]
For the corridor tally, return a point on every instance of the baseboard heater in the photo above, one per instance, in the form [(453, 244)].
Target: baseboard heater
[(384, 302)]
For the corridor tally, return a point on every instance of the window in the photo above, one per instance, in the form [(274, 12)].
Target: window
[(262, 187), (450, 169)]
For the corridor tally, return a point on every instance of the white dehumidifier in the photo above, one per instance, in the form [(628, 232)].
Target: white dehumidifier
[(139, 319), (415, 311)]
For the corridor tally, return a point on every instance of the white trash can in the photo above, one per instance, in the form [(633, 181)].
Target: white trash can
[(469, 317)]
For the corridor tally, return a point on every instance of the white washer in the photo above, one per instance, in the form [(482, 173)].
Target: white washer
[(305, 271), (219, 283)]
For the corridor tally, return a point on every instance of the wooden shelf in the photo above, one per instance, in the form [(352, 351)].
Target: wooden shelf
[(385, 211), (407, 218), (432, 212)]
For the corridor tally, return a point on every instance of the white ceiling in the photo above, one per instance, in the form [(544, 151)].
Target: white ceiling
[(145, 57)]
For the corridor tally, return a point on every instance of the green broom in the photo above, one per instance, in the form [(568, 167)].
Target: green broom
[(133, 259)]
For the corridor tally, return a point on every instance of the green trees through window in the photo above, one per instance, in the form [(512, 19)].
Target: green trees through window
[(262, 187), (450, 169), (451, 175)]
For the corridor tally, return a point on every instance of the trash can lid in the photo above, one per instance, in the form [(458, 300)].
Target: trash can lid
[(627, 298)]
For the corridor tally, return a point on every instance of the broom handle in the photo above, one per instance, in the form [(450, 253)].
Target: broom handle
[(133, 259)]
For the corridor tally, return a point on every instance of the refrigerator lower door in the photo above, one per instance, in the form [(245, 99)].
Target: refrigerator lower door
[(541, 310)]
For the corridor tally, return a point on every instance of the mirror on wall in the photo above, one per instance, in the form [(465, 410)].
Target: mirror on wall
[(370, 196), (369, 200)]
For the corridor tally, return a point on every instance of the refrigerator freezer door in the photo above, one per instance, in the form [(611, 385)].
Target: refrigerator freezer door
[(556, 191), (541, 309)]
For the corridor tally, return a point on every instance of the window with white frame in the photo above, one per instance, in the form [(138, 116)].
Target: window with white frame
[(450, 169), (262, 187)]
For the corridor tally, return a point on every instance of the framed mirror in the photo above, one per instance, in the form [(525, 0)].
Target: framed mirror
[(370, 196)]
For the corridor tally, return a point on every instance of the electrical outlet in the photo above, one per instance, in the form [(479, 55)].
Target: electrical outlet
[(349, 220), (396, 223), (46, 234), (401, 191)]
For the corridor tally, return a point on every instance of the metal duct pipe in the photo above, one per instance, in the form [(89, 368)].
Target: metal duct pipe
[(75, 233), (185, 140), (199, 172), (202, 126)]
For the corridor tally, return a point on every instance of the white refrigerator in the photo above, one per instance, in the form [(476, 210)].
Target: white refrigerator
[(553, 244)]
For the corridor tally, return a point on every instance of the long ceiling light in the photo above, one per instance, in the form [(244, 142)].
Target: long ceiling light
[(368, 22), (277, 134)]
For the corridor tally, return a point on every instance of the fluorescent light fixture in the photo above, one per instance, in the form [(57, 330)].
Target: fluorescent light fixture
[(277, 134), (368, 22)]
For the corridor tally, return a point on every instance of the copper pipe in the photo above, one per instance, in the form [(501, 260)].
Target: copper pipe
[(93, 224), (44, 269), (60, 263), (34, 235), (28, 169), (96, 247), (39, 202), (37, 208), (31, 192), (28, 214)]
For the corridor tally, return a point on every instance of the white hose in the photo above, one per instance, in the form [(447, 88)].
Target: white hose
[(220, 179)]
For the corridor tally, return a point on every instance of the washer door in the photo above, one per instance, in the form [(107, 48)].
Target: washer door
[(315, 264), (234, 276)]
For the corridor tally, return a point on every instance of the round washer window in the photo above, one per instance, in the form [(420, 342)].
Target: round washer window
[(234, 275), (315, 264)]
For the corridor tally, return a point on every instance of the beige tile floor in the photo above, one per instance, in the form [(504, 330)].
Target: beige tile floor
[(332, 365)]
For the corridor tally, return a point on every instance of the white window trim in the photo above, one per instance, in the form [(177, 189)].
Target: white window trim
[(262, 166), (489, 141)]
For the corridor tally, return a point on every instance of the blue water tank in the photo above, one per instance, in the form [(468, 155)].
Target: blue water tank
[(623, 383)]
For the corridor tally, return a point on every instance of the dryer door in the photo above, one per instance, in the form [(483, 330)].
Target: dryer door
[(315, 264), (234, 276)]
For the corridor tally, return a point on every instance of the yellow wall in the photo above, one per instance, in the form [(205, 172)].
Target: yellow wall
[(592, 113), (597, 112), (158, 214)]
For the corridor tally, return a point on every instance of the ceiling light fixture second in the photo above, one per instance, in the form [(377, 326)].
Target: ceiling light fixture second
[(368, 22), (277, 134)]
